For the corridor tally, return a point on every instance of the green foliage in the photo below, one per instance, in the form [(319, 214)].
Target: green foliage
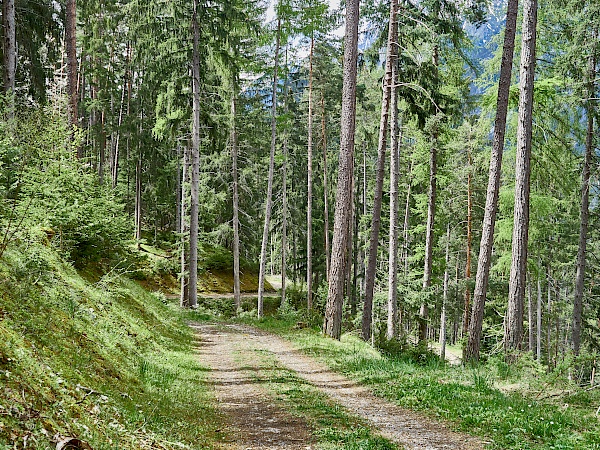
[(106, 362)]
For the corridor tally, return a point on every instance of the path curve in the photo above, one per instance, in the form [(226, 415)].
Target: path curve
[(408, 428)]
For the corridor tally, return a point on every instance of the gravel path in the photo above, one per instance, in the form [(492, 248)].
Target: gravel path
[(243, 400)]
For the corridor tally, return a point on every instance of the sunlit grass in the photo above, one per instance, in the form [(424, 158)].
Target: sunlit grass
[(467, 397)]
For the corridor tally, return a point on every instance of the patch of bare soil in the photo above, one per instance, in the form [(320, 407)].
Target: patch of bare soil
[(238, 396)]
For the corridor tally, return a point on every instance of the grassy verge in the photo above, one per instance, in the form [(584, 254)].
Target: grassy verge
[(97, 358), (469, 398), (333, 427)]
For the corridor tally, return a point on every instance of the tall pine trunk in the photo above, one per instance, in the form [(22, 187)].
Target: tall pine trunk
[(71, 51), (445, 298), (325, 187), (392, 320), (269, 200), (284, 208), (193, 264), (309, 234), (10, 52), (236, 202), (429, 238), (184, 299), (491, 202), (332, 325), (585, 205), (380, 172), (513, 323), (467, 311)]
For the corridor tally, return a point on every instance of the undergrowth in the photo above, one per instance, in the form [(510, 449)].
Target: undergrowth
[(102, 360), (520, 408)]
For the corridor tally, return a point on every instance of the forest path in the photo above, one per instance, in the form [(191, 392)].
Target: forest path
[(258, 424)]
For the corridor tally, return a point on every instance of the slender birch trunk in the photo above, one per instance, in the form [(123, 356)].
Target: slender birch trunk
[(380, 171), (491, 203), (269, 200), (513, 332), (332, 325)]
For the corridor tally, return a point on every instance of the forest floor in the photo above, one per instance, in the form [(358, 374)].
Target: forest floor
[(254, 374)]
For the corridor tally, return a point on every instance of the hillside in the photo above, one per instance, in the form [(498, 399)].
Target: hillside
[(94, 357)]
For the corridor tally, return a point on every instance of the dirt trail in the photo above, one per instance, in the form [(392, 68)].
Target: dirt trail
[(243, 401)]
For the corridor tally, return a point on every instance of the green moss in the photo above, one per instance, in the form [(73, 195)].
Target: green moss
[(98, 358)]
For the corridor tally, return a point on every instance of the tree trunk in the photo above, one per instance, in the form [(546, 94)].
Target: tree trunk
[(115, 167), (392, 319), (71, 51), (513, 331), (585, 205), (309, 234), (138, 199), (325, 187), (269, 200), (236, 203), (193, 264), (405, 229), (184, 299), (539, 321), (445, 299), (332, 325), (10, 52), (467, 310), (424, 311), (380, 171), (530, 319), (284, 192), (428, 263), (491, 202)]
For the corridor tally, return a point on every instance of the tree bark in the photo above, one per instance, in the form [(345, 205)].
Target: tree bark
[(309, 234), (467, 311), (184, 299), (325, 187), (71, 51), (380, 172), (530, 319), (424, 311), (585, 205), (193, 264), (392, 319), (513, 331), (445, 299), (138, 199), (269, 200), (332, 325), (10, 52), (236, 203), (539, 321), (284, 192), (491, 203), (428, 263)]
